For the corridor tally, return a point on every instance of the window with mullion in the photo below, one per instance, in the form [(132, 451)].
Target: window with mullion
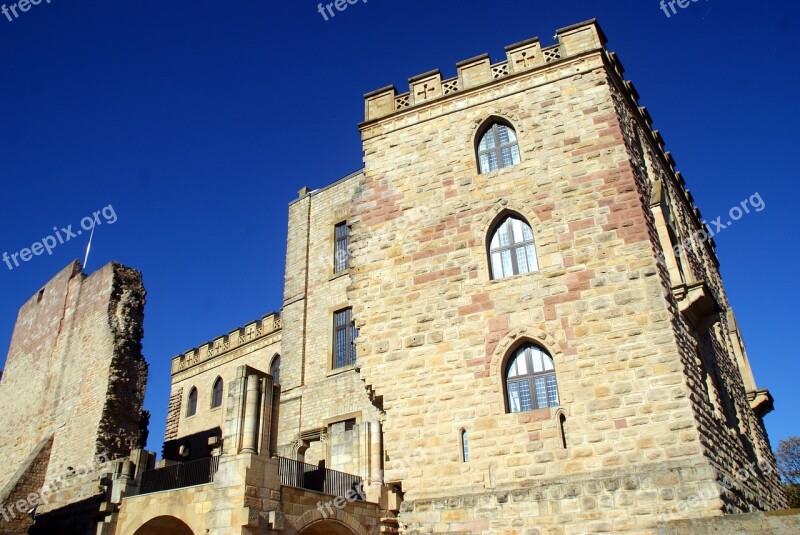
[(341, 255), (498, 148), (344, 336), (512, 249), (531, 380)]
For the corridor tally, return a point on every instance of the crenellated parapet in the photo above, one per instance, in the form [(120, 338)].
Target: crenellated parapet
[(255, 330), (479, 71)]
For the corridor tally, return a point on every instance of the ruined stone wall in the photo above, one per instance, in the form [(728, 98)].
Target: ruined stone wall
[(436, 332), (75, 371)]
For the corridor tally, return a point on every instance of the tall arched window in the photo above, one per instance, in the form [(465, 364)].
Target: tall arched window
[(498, 147), (216, 393), (191, 405), (531, 380), (275, 369), (464, 446), (512, 250)]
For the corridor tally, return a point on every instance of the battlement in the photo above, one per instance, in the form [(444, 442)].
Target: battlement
[(478, 71), (267, 325)]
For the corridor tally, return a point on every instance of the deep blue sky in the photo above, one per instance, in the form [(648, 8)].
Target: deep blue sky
[(198, 121)]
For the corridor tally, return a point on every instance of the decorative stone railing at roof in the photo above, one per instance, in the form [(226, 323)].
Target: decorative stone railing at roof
[(520, 57), (267, 325)]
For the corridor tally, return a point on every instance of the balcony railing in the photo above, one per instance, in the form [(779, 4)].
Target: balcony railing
[(178, 476), (311, 477)]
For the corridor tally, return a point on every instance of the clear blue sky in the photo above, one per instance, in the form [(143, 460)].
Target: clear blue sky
[(198, 121)]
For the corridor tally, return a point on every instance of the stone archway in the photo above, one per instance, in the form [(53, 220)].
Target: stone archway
[(326, 527), (164, 525)]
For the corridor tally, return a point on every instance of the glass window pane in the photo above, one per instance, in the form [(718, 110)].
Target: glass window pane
[(488, 137), (515, 158), (513, 397), (502, 133), (541, 392), (508, 158), (497, 266), (527, 233), (548, 362), (341, 348), (512, 136), (484, 159), (536, 358), (522, 260), (508, 268), (533, 264), (492, 160), (516, 225), (503, 231), (525, 396), (552, 391)]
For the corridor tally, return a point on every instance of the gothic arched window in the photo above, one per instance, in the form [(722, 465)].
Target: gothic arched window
[(512, 250), (497, 147), (191, 406), (275, 369), (531, 380), (216, 393)]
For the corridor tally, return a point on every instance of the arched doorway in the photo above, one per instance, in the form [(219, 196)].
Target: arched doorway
[(164, 525), (326, 527)]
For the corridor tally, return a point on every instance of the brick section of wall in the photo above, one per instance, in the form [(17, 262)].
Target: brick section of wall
[(15, 499), (75, 371), (173, 414)]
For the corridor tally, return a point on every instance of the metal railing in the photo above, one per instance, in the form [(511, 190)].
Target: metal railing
[(180, 475), (311, 477)]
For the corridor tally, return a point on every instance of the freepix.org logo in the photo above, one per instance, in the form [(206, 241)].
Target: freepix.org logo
[(23, 6), (60, 237)]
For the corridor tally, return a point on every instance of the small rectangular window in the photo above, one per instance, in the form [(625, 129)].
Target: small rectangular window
[(341, 255), (344, 336)]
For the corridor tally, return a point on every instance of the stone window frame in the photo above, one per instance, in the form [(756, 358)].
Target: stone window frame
[(530, 378), (351, 334), (491, 126), (341, 266), (217, 403), (501, 219)]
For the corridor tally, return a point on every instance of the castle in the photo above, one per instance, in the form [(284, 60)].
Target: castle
[(510, 321)]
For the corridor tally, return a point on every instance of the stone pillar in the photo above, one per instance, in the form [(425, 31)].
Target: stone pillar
[(250, 431), (375, 472), (266, 424)]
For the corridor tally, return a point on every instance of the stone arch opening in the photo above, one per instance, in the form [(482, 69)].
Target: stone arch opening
[(326, 527), (164, 525)]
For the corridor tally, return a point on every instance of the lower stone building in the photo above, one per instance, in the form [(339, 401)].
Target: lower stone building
[(510, 321)]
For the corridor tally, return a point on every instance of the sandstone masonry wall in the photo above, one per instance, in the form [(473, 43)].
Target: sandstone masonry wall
[(75, 371)]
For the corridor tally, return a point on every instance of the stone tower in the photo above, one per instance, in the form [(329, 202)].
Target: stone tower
[(72, 390), (598, 385)]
